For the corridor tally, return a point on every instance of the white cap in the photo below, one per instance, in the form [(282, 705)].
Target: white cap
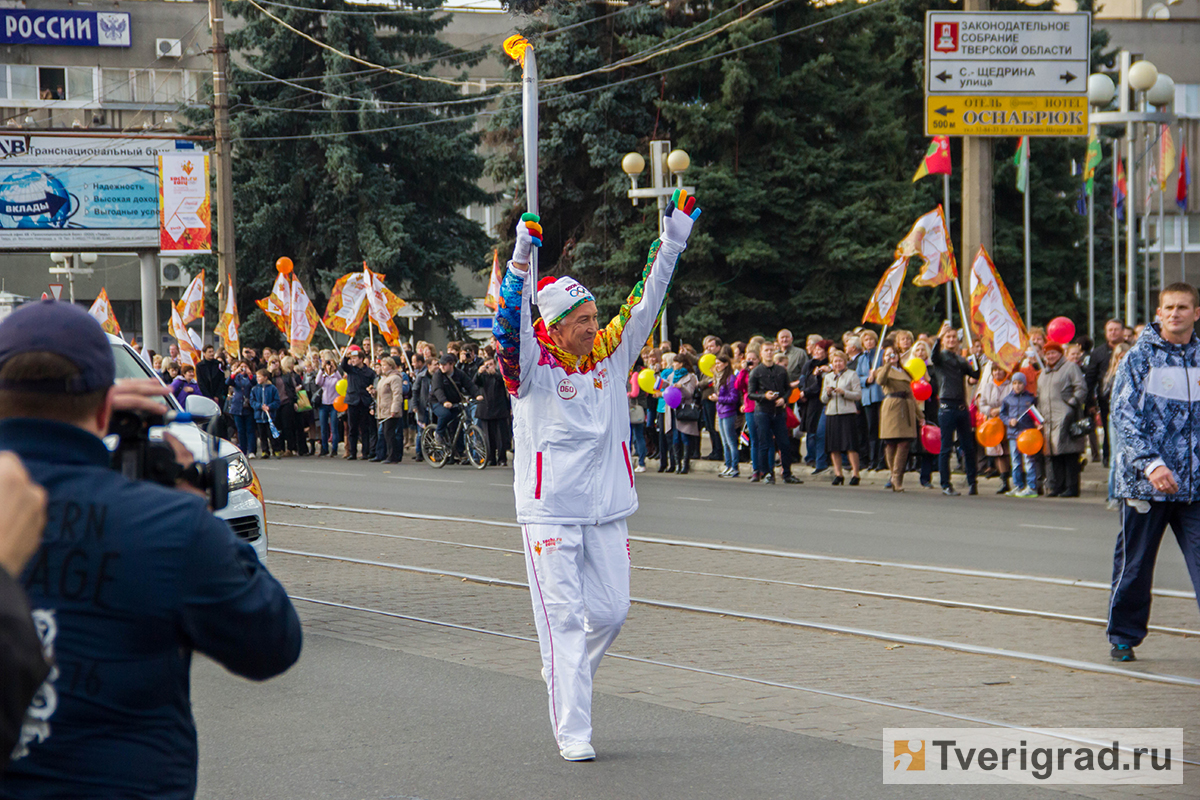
[(558, 297)]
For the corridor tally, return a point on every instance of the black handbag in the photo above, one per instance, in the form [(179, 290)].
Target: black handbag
[(1081, 427), (688, 412)]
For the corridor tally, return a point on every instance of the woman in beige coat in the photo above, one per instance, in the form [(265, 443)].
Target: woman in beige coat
[(900, 416)]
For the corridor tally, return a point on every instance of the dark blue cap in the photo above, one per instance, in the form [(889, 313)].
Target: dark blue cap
[(64, 329)]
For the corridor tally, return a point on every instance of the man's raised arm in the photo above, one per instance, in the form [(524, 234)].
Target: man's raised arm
[(624, 336), (513, 324)]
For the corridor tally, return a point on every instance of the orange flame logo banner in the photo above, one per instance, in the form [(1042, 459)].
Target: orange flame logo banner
[(187, 167), (514, 48)]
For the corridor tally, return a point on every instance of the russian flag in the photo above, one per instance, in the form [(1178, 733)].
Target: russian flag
[(1037, 415), (1181, 189)]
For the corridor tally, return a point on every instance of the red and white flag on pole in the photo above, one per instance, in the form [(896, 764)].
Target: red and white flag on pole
[(227, 327), (993, 315), (187, 339), (304, 320), (492, 299), (930, 240), (881, 308), (278, 305), (191, 303), (102, 311), (382, 305)]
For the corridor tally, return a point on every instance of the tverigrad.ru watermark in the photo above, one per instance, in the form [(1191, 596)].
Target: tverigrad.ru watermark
[(1045, 755)]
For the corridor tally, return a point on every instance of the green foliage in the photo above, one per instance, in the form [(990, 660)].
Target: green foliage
[(320, 178), (803, 150)]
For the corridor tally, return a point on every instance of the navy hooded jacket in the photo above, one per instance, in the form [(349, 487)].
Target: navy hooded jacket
[(131, 578)]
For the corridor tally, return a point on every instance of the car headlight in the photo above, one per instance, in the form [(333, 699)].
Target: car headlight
[(240, 475)]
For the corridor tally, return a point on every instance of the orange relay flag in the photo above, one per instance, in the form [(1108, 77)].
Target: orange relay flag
[(930, 239), (993, 317), (881, 308), (103, 313)]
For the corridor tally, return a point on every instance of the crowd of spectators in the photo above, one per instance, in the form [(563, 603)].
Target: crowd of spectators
[(839, 407)]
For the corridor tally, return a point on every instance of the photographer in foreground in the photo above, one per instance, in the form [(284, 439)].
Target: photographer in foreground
[(22, 666), (131, 577)]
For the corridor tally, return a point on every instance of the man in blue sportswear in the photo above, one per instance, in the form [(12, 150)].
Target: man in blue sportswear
[(1156, 419), (130, 579)]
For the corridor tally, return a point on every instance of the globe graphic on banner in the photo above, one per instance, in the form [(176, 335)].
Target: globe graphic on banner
[(34, 199)]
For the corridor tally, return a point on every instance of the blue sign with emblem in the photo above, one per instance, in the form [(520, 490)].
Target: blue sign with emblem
[(70, 28)]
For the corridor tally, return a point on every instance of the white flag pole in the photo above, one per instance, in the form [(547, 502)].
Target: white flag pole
[(946, 212), (879, 347), (963, 311), (1028, 268)]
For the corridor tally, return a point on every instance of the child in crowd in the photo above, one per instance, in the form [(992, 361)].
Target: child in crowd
[(264, 399), (1017, 416)]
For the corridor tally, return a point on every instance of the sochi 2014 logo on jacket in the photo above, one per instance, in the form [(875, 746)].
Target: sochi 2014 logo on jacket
[(566, 389)]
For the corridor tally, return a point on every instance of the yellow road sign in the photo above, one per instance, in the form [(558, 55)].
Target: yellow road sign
[(1006, 116)]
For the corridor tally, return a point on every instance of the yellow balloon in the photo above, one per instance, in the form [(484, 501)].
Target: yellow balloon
[(707, 361), (646, 379), (341, 387), (915, 367)]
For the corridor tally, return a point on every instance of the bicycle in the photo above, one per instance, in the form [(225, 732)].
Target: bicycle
[(474, 442)]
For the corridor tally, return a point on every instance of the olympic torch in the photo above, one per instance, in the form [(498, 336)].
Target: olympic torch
[(519, 49)]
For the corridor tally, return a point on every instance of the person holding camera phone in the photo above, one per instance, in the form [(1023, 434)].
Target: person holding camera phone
[(131, 578)]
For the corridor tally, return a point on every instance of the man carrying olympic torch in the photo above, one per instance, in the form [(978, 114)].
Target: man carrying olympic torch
[(574, 479)]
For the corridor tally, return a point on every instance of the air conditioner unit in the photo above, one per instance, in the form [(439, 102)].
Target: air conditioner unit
[(169, 274), (169, 48)]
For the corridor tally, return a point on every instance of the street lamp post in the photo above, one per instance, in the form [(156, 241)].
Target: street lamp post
[(1161, 95), (663, 160), (1100, 93), (1139, 77), (69, 266)]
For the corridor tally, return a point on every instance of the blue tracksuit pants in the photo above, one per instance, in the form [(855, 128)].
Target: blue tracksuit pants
[(1133, 563)]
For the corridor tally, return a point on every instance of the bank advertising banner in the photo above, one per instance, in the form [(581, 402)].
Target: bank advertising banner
[(184, 205), (71, 28), (82, 194)]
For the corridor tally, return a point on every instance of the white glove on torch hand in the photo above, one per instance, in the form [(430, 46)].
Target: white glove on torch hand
[(529, 236), (680, 215)]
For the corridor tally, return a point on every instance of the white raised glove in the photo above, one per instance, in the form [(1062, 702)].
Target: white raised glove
[(529, 236), (680, 215)]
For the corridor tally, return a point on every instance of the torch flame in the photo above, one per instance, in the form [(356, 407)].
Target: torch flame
[(514, 48)]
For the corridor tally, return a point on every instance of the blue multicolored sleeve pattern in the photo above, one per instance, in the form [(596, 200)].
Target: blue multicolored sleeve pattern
[(509, 326)]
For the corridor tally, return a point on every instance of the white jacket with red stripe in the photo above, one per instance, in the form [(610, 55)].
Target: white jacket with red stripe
[(571, 415)]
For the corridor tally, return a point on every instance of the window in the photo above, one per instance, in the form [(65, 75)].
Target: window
[(3, 82), (168, 87), (23, 82), (80, 84), (141, 87), (52, 83), (118, 88), (1193, 226)]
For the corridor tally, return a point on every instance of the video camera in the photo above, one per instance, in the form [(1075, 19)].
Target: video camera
[(141, 455)]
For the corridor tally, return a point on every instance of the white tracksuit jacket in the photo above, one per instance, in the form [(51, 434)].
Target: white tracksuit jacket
[(571, 415)]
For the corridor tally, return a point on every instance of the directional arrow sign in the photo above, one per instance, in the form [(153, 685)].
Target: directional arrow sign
[(1019, 115), (1006, 53)]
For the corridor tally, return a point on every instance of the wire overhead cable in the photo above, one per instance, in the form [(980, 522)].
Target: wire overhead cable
[(566, 95)]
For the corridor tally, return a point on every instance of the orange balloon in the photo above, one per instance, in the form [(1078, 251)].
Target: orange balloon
[(990, 433), (284, 265), (339, 404), (1030, 442), (794, 397)]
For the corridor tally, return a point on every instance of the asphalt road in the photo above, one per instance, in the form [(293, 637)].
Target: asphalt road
[(352, 721), (1069, 538)]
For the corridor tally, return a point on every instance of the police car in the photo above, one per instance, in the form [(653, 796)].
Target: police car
[(246, 512)]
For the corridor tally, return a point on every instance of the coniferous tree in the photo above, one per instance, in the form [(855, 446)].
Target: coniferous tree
[(335, 163)]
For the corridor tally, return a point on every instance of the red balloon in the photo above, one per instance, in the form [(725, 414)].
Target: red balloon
[(1060, 330), (922, 390), (931, 438)]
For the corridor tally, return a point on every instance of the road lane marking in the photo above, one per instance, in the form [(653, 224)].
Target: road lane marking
[(501, 485), (326, 472), (850, 511), (758, 551), (424, 480), (696, 499), (886, 636), (1046, 527), (702, 671)]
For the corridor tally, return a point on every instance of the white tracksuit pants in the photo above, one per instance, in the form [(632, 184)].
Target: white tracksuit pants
[(579, 583)]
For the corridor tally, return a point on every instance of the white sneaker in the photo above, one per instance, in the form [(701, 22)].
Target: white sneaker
[(580, 751), (639, 468), (250, 455)]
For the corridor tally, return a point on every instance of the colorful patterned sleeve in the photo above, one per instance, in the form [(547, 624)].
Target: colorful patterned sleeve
[(513, 330), (623, 338)]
